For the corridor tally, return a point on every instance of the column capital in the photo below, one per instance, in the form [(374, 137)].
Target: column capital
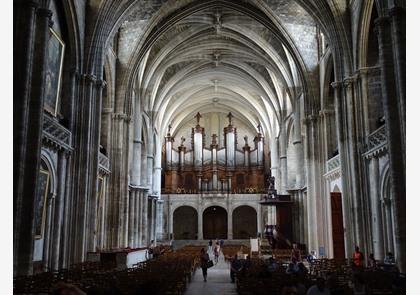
[(107, 110), (101, 84), (348, 82), (89, 77), (310, 119), (121, 116), (337, 84), (362, 72), (326, 112)]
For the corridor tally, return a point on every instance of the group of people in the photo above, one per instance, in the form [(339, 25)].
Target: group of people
[(388, 264), (153, 250), (216, 249)]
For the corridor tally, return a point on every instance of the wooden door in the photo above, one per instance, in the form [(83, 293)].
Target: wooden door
[(284, 223), (214, 223), (337, 226)]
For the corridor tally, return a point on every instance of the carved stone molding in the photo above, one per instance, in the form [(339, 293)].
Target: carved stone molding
[(55, 135), (101, 84), (103, 164), (89, 78), (348, 82), (377, 143), (337, 84), (333, 168), (121, 116), (326, 113)]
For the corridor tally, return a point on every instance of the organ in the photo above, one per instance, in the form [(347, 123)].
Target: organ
[(213, 168)]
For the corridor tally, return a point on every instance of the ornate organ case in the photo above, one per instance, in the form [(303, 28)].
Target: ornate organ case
[(213, 169)]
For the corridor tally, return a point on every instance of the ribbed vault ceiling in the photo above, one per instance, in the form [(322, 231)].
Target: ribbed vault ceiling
[(219, 60)]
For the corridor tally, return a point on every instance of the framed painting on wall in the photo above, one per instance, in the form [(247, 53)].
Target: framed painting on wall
[(53, 73), (40, 202)]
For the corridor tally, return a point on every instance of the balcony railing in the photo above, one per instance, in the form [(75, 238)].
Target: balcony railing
[(103, 162), (377, 138), (55, 134), (333, 163)]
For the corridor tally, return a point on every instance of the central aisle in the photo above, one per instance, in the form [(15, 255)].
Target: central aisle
[(218, 280)]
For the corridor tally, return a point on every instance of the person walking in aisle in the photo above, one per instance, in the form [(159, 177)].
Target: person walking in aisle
[(204, 258), (216, 252)]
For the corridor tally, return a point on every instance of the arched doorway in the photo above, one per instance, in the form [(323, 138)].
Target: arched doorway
[(215, 223), (185, 223), (244, 222)]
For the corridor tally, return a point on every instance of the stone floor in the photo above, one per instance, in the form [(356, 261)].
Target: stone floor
[(218, 280)]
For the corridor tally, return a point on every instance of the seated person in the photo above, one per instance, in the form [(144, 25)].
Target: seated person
[(372, 261), (319, 288), (235, 267), (272, 265), (291, 268), (389, 259), (311, 257), (289, 290), (389, 262), (301, 269), (247, 264)]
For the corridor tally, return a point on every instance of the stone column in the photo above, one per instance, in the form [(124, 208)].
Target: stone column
[(59, 210), (157, 169), (364, 90), (260, 224), (171, 220), (159, 220), (150, 160), (140, 218), (131, 223), (31, 115), (346, 196), (283, 159), (229, 210), (395, 134), (377, 228), (200, 221), (47, 231), (136, 218), (353, 170), (137, 143), (388, 225), (145, 219), (314, 232), (397, 15), (67, 215), (274, 147), (297, 143), (153, 219)]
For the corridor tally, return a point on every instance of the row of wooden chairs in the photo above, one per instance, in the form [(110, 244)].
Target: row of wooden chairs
[(168, 274), (339, 273)]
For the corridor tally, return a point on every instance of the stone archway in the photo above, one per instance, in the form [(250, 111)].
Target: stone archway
[(215, 223), (244, 222), (185, 223)]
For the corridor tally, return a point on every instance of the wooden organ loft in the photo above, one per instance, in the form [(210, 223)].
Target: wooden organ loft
[(214, 169)]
